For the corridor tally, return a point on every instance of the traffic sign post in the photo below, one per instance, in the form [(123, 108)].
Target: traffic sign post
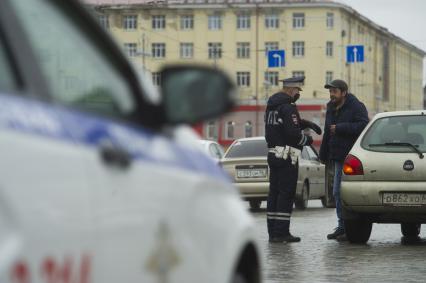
[(354, 54), (276, 58)]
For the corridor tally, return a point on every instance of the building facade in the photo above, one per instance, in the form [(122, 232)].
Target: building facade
[(235, 35)]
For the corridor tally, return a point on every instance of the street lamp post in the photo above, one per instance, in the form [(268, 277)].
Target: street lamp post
[(267, 85)]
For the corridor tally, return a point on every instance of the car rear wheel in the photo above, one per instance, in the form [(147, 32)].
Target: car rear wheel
[(302, 203), (410, 230), (358, 231), (255, 204)]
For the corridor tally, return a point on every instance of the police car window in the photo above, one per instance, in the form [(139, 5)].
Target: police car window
[(7, 79), (77, 73)]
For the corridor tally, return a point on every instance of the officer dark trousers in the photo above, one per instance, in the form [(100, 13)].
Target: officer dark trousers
[(282, 190)]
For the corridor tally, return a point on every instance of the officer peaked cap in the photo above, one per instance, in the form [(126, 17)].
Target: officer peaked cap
[(294, 82)]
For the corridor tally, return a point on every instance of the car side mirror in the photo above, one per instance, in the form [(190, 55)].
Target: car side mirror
[(192, 94)]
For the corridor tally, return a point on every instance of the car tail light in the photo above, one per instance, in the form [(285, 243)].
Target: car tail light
[(352, 166)]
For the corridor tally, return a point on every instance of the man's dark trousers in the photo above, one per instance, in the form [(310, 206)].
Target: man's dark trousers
[(282, 189)]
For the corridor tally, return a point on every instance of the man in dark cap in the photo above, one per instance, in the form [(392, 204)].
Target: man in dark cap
[(345, 119), (283, 133)]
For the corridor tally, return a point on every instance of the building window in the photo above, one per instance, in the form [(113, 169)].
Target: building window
[(243, 21), (104, 21), (330, 20), (211, 130), (297, 74), (215, 50), (248, 129), (156, 78), (229, 130), (272, 20), (158, 50), (271, 45), (298, 48), (158, 22), (186, 22), (130, 22), (328, 77), (243, 79), (186, 50), (329, 48), (298, 20), (215, 22), (130, 49), (272, 78), (243, 49)]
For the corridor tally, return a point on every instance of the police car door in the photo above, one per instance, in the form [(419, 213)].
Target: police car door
[(138, 180), (45, 219), (95, 100)]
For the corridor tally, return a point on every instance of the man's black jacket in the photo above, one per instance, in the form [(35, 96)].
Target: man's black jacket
[(350, 120)]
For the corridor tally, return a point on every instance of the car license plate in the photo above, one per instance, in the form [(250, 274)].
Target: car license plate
[(404, 199), (252, 173)]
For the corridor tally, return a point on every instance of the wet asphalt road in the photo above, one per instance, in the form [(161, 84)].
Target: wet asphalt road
[(315, 259)]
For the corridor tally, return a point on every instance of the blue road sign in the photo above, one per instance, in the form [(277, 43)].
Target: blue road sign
[(354, 53), (276, 58)]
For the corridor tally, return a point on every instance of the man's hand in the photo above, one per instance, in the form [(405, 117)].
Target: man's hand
[(312, 126), (333, 129)]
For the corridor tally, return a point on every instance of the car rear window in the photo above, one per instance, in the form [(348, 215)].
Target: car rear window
[(249, 148), (397, 129)]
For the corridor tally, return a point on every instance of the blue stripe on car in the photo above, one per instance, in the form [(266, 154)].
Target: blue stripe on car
[(56, 122)]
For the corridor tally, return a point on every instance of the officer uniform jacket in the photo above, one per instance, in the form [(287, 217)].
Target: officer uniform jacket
[(283, 124), (350, 121)]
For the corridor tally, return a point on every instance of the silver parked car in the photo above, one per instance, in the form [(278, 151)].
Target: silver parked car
[(246, 162), (384, 177), (212, 149)]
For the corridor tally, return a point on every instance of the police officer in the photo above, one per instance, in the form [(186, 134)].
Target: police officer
[(283, 133)]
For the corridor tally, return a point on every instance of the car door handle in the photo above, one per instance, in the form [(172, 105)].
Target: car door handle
[(115, 156)]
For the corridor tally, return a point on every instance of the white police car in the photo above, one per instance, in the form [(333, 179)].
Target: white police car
[(94, 185)]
